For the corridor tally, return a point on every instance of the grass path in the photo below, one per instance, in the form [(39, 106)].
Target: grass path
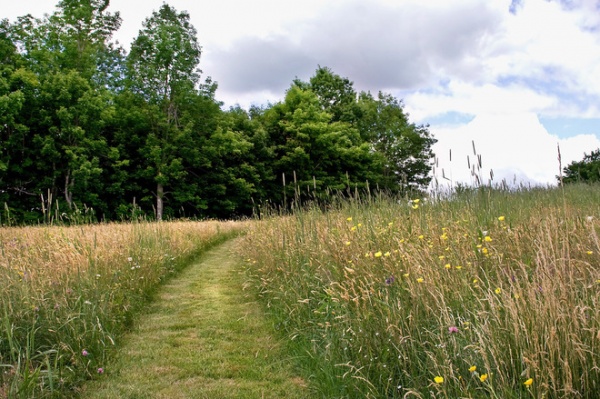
[(203, 337)]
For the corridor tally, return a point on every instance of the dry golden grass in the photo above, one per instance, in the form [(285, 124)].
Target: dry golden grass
[(73, 290)]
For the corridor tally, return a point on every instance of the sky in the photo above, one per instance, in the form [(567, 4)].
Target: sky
[(507, 81)]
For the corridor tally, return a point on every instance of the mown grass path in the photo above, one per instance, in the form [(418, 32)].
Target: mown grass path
[(203, 337)]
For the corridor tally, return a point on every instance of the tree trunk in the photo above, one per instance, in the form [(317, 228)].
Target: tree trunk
[(69, 183), (159, 201)]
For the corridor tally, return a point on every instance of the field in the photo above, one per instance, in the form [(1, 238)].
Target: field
[(68, 293), (481, 293), (486, 294)]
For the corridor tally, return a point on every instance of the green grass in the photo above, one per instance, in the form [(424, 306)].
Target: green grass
[(383, 296), (204, 337)]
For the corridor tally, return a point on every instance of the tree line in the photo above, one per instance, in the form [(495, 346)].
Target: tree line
[(85, 125)]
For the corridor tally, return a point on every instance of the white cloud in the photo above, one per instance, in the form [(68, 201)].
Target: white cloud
[(510, 145)]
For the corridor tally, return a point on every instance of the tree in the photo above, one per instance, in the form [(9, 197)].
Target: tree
[(587, 170), (314, 152), (405, 147), (162, 67)]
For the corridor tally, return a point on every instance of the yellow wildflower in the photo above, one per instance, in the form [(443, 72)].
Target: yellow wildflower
[(387, 253), (498, 290), (501, 218), (421, 237), (438, 379), (483, 377), (590, 252), (415, 206), (378, 254), (447, 266), (420, 280), (349, 219), (488, 239), (528, 382), (472, 368), (416, 201), (348, 243), (458, 267)]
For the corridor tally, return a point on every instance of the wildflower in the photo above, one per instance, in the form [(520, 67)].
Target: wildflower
[(498, 290), (348, 243), (408, 274), (416, 201), (501, 218), (447, 266), (472, 368), (415, 206), (438, 379), (100, 370), (421, 237), (390, 224), (349, 219), (475, 281), (483, 377), (528, 382), (353, 228), (485, 251), (378, 254), (390, 280), (488, 239), (441, 257), (420, 280), (130, 259), (452, 329), (386, 254), (458, 267), (84, 353), (590, 252)]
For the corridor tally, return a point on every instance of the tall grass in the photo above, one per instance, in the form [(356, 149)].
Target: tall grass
[(69, 292), (487, 293)]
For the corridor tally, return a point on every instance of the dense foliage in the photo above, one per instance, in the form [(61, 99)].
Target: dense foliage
[(585, 171), (87, 128)]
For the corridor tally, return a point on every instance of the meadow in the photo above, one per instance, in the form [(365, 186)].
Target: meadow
[(481, 293), (477, 293), (69, 293)]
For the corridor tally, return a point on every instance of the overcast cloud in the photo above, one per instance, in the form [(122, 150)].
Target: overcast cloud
[(517, 77)]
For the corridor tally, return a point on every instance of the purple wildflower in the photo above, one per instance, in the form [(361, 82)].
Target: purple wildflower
[(452, 329), (100, 370), (84, 353), (390, 280)]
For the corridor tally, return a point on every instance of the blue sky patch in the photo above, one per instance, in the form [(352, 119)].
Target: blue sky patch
[(568, 127), (451, 118)]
